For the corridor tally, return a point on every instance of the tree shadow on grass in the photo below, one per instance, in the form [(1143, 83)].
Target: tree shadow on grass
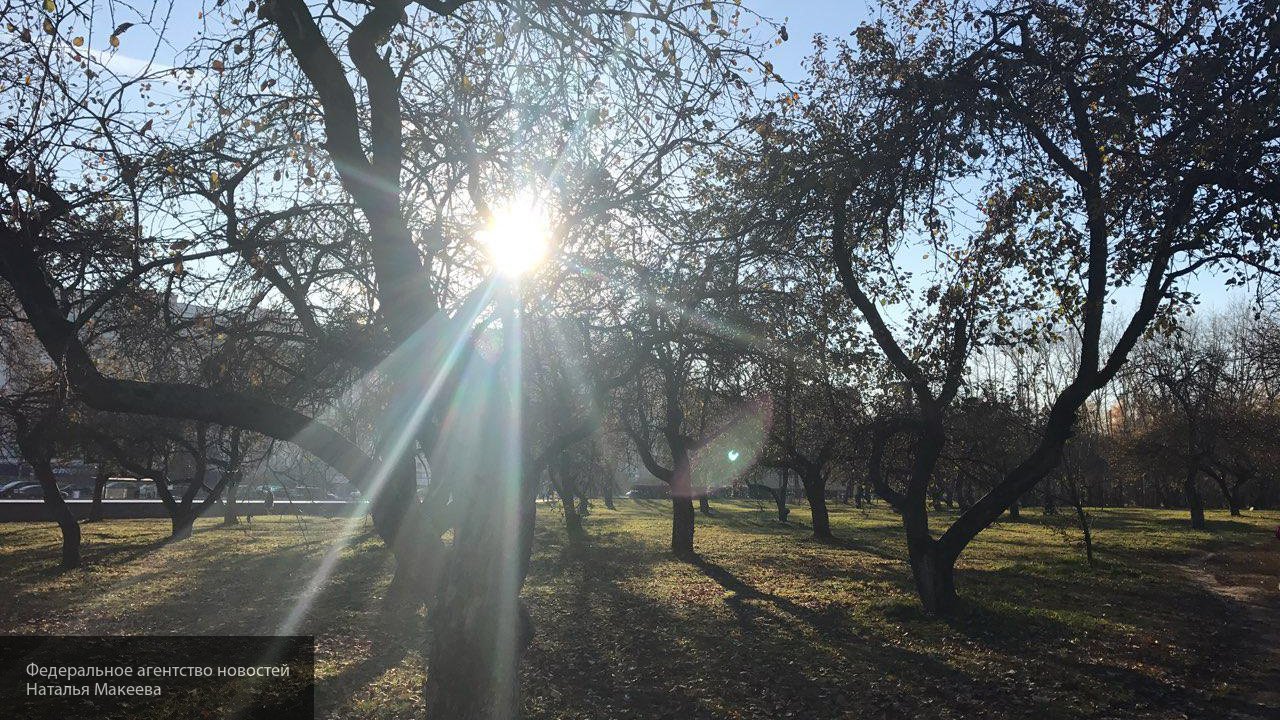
[(611, 651)]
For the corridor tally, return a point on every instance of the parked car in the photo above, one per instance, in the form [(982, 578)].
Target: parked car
[(7, 487), (30, 491), (123, 490), (22, 490)]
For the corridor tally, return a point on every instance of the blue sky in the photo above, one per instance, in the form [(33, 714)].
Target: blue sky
[(806, 18)]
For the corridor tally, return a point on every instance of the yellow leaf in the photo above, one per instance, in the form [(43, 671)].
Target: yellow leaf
[(49, 6), (115, 41), (48, 26), (213, 179), (78, 41)]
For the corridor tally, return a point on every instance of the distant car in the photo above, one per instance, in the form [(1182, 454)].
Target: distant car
[(20, 490), (30, 491), (7, 487), (120, 490)]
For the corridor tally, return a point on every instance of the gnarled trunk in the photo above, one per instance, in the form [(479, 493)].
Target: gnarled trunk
[(780, 499), (815, 491), (934, 574), (780, 495), (1230, 492), (35, 450), (183, 524), (59, 512), (572, 520), (229, 510)]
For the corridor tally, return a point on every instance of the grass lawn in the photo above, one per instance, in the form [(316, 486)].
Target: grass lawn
[(767, 624)]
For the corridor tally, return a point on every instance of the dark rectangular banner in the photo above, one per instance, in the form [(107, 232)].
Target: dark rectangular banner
[(157, 678)]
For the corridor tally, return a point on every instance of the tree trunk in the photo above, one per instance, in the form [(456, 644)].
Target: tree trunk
[(31, 444), (1194, 502), (608, 494), (934, 574), (1084, 528), (1015, 512), (99, 485), (479, 627), (815, 491), (681, 524), (229, 509), (1229, 494), (682, 515), (399, 518), (572, 520), (704, 504), (59, 511), (183, 522), (584, 507), (780, 499)]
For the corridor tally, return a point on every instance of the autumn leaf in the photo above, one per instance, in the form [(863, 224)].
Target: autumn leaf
[(78, 41), (217, 65), (115, 41)]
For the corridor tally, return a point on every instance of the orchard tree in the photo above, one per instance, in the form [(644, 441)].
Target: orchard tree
[(1001, 174)]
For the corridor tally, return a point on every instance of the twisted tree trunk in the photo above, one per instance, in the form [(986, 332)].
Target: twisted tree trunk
[(815, 490), (34, 447)]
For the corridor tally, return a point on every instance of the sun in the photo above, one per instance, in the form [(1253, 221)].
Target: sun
[(517, 237)]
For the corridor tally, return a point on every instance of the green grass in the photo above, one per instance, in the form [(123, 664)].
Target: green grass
[(767, 623)]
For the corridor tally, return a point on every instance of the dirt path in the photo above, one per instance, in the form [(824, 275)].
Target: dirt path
[(1247, 580)]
